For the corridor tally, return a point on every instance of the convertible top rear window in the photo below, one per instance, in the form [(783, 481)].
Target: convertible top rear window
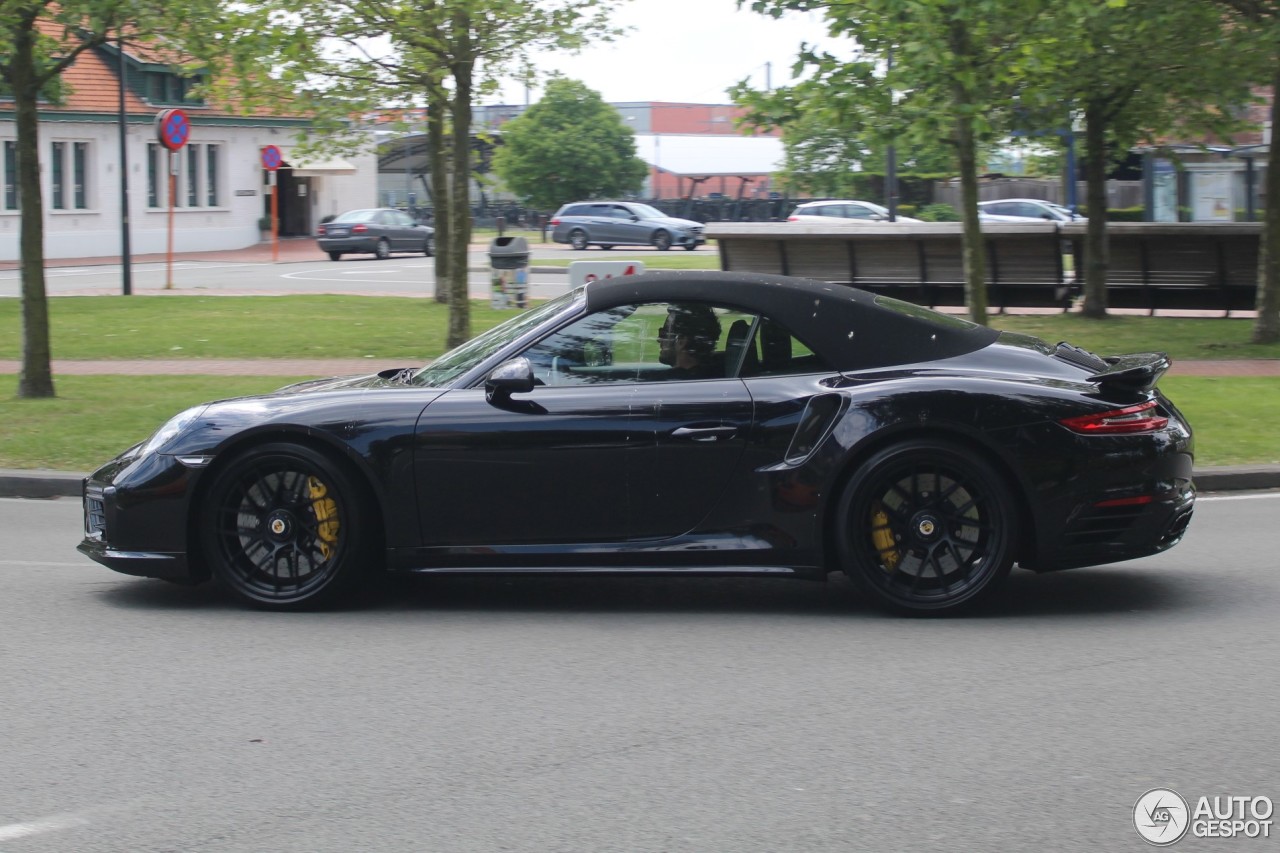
[(919, 312)]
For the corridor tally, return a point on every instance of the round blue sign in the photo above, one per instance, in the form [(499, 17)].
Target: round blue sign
[(174, 129), (272, 159)]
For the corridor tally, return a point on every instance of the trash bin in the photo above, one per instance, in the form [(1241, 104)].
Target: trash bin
[(509, 276)]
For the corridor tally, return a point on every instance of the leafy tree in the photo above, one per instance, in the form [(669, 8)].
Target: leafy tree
[(828, 139), (39, 40), (957, 65), (1262, 19), (440, 55), (569, 145), (1134, 72)]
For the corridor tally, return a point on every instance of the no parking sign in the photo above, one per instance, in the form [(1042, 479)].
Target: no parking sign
[(173, 128)]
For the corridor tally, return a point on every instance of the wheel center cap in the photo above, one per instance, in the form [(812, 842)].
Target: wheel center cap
[(280, 525), (927, 527)]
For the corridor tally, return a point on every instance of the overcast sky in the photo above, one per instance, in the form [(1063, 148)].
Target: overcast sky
[(686, 50)]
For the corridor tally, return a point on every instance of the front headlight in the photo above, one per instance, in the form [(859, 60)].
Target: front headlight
[(171, 429)]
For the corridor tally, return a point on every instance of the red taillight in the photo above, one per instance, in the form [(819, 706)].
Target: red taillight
[(320, 230), (554, 222), (1140, 418), (793, 218), (360, 229), (1136, 500)]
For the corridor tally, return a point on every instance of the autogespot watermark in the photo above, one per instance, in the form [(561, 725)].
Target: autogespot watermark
[(1162, 817)]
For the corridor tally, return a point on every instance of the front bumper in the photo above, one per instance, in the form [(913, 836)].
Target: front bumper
[(135, 518)]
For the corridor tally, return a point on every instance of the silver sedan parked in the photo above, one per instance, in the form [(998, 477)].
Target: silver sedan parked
[(376, 231)]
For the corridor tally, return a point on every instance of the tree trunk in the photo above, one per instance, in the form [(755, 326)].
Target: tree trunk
[(1266, 329), (1097, 256), (437, 107), (460, 196), (973, 253), (36, 379)]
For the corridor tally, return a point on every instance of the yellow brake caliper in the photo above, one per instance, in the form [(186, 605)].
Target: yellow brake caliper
[(882, 537), (326, 512)]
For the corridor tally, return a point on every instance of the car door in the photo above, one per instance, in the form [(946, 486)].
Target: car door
[(628, 228), (555, 466), (611, 445)]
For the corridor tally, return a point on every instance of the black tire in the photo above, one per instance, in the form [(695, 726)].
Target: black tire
[(427, 248), (606, 246), (689, 247), (578, 239), (661, 241), (383, 250), (926, 527), (284, 528), (335, 256)]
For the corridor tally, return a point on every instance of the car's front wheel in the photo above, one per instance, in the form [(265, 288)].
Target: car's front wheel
[(690, 246), (382, 250), (427, 248), (926, 527), (285, 528), (335, 256), (578, 239), (662, 241)]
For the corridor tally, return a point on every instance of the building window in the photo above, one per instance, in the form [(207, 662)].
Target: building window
[(155, 175), (193, 176), (10, 175), (57, 164), (80, 156), (211, 175)]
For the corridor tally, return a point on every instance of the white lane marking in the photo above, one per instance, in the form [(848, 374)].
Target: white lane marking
[(1253, 497), (53, 823)]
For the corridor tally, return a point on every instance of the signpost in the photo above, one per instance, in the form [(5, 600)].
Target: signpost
[(173, 129), (272, 159)]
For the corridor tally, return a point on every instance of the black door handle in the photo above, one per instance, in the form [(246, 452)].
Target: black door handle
[(714, 433)]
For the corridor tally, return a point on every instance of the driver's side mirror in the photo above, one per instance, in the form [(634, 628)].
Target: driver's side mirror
[(510, 377)]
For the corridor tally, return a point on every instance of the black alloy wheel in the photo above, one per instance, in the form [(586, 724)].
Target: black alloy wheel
[(926, 527), (661, 241), (382, 250), (284, 528), (578, 239), (334, 256)]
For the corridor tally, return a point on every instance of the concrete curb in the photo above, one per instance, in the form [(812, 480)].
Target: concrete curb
[(64, 484)]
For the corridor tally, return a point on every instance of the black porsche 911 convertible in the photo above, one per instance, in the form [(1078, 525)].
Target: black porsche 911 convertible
[(691, 423)]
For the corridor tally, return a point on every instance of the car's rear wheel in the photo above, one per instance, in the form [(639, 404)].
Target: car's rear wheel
[(427, 248), (606, 246), (926, 527), (382, 250), (334, 256), (578, 239), (662, 241), (285, 528)]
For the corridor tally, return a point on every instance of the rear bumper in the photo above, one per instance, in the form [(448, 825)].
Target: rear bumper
[(348, 244)]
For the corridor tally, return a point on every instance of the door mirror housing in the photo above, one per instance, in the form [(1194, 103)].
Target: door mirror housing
[(510, 377)]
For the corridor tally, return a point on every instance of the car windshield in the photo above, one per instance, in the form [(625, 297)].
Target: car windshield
[(644, 211), (356, 216), (460, 359)]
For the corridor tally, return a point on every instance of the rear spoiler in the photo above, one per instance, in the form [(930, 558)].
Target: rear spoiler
[(1136, 372)]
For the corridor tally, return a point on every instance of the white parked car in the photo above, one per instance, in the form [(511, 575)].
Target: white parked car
[(1025, 210), (843, 212)]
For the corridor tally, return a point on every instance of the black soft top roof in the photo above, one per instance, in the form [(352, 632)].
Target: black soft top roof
[(849, 328)]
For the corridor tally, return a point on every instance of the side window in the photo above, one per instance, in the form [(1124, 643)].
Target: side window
[(857, 211), (780, 353), (649, 342), (621, 213)]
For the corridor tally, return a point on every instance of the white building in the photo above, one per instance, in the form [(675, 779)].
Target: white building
[(221, 187)]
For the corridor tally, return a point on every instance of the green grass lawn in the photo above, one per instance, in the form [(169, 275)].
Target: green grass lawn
[(108, 327), (95, 417)]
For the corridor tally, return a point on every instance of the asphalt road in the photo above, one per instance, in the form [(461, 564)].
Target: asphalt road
[(484, 714), (401, 275)]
